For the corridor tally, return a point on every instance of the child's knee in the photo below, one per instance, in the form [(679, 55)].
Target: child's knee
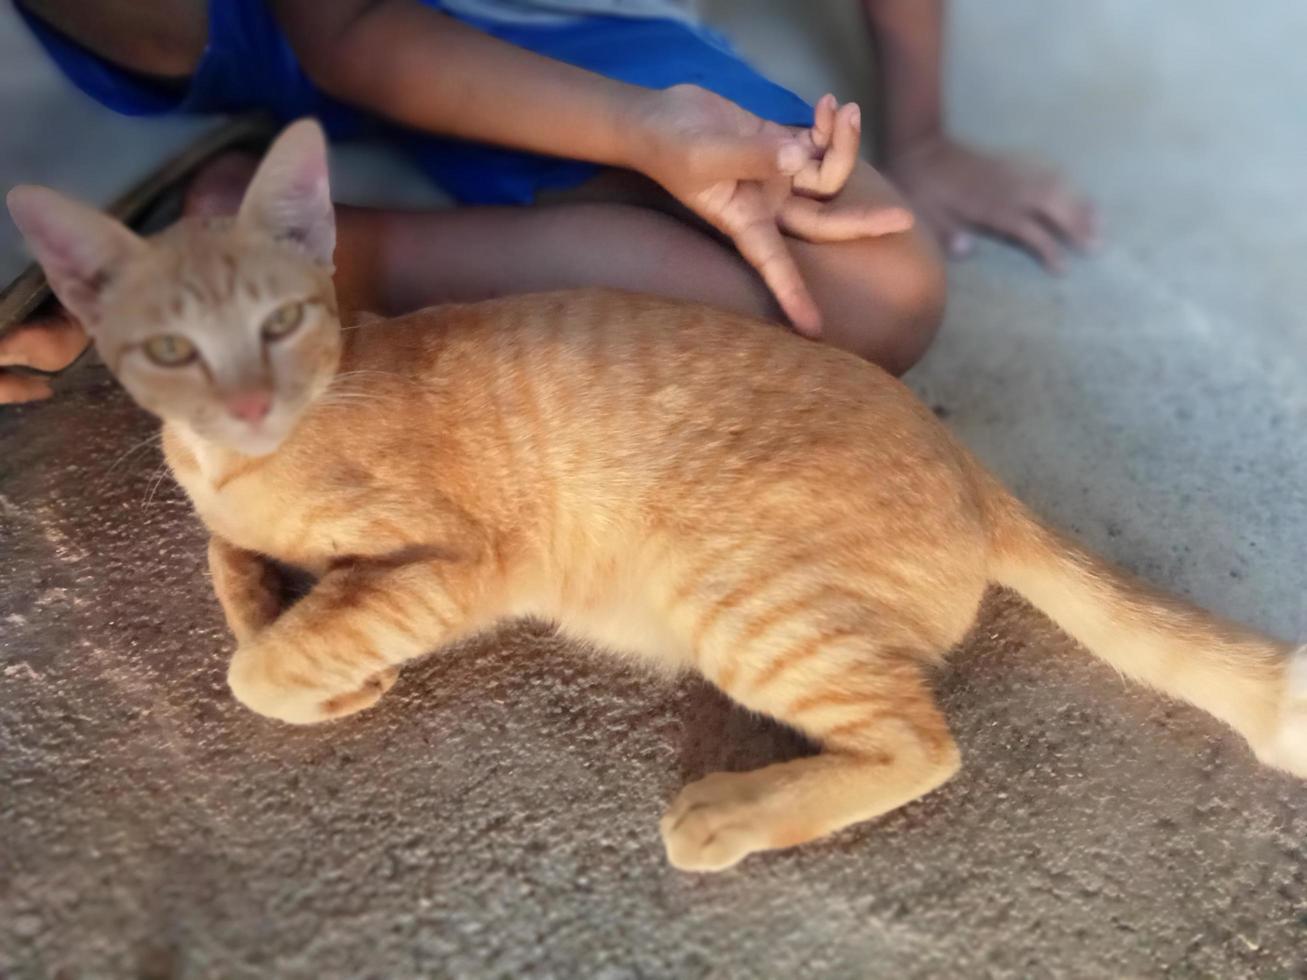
[(915, 290), (891, 310)]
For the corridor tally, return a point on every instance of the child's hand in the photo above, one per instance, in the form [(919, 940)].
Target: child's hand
[(958, 191), (752, 180)]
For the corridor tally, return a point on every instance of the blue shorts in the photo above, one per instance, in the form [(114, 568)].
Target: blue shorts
[(248, 65)]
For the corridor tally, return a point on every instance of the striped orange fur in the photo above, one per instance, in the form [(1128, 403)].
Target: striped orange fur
[(681, 485)]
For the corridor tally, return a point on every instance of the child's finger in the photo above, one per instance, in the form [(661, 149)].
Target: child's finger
[(817, 221), (823, 120), (15, 388), (842, 157), (1031, 234), (762, 246), (1046, 194), (820, 135), (759, 157), (829, 176), (1071, 216)]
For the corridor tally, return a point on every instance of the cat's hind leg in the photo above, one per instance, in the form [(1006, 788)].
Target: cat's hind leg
[(884, 743)]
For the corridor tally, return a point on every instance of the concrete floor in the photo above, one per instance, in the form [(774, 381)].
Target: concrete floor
[(497, 815)]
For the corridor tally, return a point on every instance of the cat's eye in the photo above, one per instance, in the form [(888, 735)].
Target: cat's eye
[(170, 350), (282, 321)]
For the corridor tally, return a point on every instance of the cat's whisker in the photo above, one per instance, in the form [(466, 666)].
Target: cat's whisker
[(155, 482), (357, 372), (153, 439), (355, 388), (361, 373), (338, 397), (345, 381)]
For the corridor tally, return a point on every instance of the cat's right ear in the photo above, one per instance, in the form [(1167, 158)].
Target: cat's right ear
[(79, 248), (289, 197)]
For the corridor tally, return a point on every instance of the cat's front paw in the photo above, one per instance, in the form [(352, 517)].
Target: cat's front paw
[(1288, 748), (296, 692)]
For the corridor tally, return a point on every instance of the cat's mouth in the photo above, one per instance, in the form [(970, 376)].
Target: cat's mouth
[(251, 424), (260, 444), (261, 438)]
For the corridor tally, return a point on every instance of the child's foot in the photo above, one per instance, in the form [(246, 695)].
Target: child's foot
[(961, 192), (54, 342), (48, 344)]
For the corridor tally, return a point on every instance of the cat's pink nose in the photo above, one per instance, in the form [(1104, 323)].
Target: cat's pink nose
[(249, 406)]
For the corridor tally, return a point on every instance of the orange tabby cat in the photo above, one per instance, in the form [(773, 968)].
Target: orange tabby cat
[(681, 484)]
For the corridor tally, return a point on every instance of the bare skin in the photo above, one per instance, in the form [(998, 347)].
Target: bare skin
[(397, 261), (721, 215), (164, 39), (957, 190), (879, 298), (46, 345)]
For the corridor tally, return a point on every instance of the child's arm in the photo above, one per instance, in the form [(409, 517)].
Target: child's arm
[(413, 65), (418, 67), (955, 188)]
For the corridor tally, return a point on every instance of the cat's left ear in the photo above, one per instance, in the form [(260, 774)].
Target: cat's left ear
[(79, 249), (289, 197)]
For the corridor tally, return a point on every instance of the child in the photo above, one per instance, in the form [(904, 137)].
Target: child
[(661, 161)]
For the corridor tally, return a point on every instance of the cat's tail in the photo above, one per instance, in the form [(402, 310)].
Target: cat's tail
[(1255, 684)]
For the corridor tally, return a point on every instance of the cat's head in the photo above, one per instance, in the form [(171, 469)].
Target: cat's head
[(227, 327)]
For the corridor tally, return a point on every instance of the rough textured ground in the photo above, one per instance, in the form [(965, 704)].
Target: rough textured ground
[(497, 815)]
